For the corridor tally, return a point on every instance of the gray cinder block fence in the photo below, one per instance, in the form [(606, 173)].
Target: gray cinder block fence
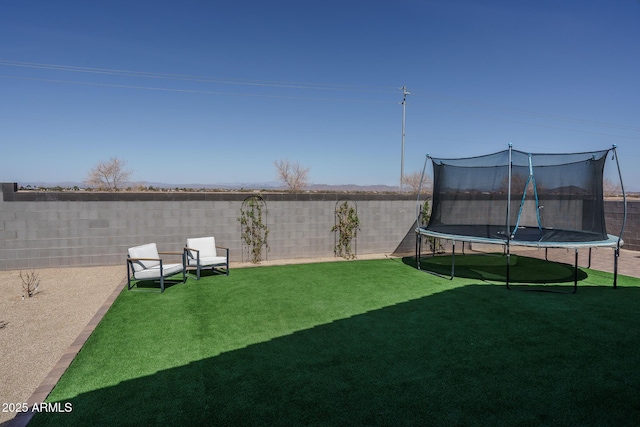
[(57, 229)]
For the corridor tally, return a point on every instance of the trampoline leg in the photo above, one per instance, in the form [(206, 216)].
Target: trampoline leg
[(508, 250), (418, 248), (575, 274), (615, 267), (453, 258), (589, 258), (508, 267)]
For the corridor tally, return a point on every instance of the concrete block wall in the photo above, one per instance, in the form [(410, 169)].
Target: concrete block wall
[(613, 212), (57, 229)]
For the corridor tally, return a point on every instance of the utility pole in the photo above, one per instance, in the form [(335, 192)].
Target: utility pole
[(404, 110)]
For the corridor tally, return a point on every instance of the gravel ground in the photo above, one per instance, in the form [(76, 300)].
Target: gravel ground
[(35, 332)]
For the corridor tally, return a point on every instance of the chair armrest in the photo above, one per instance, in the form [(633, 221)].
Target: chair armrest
[(191, 249), (144, 259), (226, 249), (183, 254)]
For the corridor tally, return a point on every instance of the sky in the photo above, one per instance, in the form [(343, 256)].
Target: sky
[(196, 92)]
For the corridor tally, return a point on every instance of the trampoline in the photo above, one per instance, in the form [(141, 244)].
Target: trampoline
[(514, 198)]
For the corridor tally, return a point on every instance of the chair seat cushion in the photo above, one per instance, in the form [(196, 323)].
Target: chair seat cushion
[(207, 261), (206, 246), (154, 272), (149, 250)]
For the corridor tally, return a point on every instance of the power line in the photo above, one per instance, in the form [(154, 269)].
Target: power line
[(202, 92), (288, 85), (200, 79)]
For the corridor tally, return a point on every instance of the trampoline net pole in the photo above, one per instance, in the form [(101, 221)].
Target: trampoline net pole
[(624, 221), (419, 211), (510, 166)]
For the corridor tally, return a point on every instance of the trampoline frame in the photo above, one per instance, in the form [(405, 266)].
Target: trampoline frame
[(612, 241)]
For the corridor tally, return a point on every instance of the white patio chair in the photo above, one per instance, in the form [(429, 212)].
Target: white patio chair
[(202, 253), (144, 263)]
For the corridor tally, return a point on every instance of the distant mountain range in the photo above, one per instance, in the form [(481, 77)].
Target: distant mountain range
[(273, 186)]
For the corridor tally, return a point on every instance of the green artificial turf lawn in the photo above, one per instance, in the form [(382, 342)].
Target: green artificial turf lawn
[(364, 343)]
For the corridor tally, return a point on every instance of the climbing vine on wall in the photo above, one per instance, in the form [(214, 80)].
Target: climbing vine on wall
[(425, 214), (346, 228), (253, 227), (434, 243)]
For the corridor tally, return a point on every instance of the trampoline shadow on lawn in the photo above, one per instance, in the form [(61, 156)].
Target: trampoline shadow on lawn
[(492, 268)]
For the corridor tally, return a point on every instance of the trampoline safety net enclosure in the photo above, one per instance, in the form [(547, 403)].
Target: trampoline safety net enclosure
[(517, 198)]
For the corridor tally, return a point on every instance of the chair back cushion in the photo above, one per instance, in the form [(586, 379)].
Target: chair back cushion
[(206, 246), (149, 250)]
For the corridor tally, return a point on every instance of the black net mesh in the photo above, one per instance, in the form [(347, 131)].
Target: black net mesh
[(554, 197)]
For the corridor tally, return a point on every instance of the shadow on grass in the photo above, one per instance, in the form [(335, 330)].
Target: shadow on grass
[(492, 267), (473, 355), (206, 273), (154, 285)]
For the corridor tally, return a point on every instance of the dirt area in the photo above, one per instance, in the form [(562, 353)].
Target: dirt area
[(36, 331)]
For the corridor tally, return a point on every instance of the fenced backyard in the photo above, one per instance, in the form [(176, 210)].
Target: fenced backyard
[(363, 343)]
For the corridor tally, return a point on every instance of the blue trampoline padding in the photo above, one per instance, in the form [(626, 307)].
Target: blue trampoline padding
[(610, 242)]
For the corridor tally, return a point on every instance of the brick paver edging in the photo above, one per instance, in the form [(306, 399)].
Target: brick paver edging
[(50, 381)]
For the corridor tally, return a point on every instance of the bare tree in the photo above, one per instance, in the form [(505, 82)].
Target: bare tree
[(291, 174), (412, 181), (110, 175), (611, 188)]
